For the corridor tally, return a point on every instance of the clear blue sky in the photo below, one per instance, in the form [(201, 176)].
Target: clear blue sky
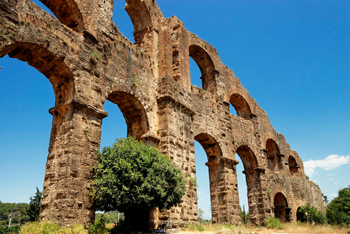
[(292, 56)]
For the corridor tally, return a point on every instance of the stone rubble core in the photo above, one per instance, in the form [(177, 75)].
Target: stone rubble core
[(88, 61)]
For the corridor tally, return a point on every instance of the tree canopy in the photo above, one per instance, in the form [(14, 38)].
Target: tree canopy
[(132, 176), (338, 210), (19, 215)]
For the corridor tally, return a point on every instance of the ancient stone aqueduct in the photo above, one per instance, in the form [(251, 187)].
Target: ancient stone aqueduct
[(88, 61)]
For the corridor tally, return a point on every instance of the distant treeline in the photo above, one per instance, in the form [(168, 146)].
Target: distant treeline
[(19, 215)]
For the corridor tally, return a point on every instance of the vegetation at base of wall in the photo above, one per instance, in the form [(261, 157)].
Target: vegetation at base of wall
[(51, 228), (99, 227), (272, 222), (244, 216), (194, 227), (200, 227), (304, 228), (310, 214), (338, 210), (134, 178)]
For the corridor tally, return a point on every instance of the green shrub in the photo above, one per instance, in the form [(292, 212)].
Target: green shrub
[(194, 227), (8, 230), (99, 227), (272, 222), (229, 226), (51, 228), (244, 216), (42, 228), (310, 214)]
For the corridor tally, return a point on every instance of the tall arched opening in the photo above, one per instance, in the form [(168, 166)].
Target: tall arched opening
[(25, 98), (281, 208), (207, 176), (127, 117), (252, 174), (61, 79)]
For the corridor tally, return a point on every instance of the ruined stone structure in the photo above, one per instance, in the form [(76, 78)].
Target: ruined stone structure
[(88, 62)]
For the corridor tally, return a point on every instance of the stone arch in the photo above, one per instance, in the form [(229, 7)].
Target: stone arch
[(298, 161), (214, 153), (59, 75), (57, 72), (67, 12), (133, 112), (293, 166), (273, 155), (210, 146), (139, 13), (206, 66), (248, 157), (48, 64), (253, 181), (281, 208), (299, 215), (239, 98), (241, 106)]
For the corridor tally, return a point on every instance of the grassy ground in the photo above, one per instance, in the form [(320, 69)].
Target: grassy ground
[(287, 228)]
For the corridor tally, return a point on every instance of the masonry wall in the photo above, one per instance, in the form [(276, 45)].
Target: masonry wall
[(88, 62)]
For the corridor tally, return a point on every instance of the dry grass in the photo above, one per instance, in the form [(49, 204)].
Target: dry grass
[(51, 228), (315, 229), (288, 228)]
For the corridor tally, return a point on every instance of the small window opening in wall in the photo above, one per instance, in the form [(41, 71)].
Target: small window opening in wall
[(203, 188), (122, 20), (293, 167), (195, 74), (240, 107), (273, 156)]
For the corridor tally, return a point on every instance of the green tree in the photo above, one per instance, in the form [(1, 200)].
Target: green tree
[(33, 210), (338, 210), (134, 178)]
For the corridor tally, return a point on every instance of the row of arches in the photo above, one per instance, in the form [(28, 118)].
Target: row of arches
[(137, 125), (276, 161), (133, 111)]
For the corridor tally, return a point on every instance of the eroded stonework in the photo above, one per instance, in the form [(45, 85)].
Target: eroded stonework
[(88, 61)]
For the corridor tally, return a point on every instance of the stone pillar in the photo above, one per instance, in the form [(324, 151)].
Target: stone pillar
[(223, 191), (75, 136), (177, 143)]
